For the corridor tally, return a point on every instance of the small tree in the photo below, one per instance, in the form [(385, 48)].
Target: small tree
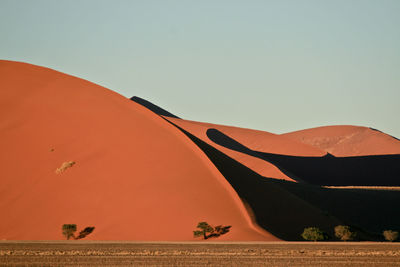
[(207, 231), (205, 228), (390, 235), (344, 233), (313, 234), (68, 230)]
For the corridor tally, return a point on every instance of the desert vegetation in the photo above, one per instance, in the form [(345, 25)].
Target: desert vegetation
[(207, 231), (390, 235), (313, 234), (68, 230), (64, 166), (344, 233)]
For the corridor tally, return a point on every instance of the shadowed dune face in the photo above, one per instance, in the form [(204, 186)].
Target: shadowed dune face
[(254, 139), (376, 170), (285, 208), (273, 207), (370, 210), (258, 140), (344, 141), (134, 176), (262, 167)]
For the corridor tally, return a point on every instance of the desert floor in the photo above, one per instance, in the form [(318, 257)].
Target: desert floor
[(90, 253)]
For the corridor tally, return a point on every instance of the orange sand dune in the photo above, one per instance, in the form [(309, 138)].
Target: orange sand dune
[(127, 171), (256, 140), (343, 141)]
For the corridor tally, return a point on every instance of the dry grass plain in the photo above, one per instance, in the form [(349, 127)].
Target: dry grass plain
[(86, 253)]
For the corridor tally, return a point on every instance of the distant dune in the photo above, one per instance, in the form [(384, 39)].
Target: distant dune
[(346, 140), (76, 152), (374, 170)]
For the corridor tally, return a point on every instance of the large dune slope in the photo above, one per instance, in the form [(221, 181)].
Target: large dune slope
[(136, 177)]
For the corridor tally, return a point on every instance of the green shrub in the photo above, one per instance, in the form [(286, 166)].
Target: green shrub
[(343, 232), (68, 230), (313, 234), (390, 235)]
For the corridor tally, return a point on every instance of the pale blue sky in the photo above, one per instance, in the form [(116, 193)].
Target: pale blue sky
[(277, 66)]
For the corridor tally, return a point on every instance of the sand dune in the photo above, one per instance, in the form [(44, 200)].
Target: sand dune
[(273, 207), (345, 140), (294, 206), (285, 208), (263, 168), (75, 152), (134, 177), (375, 170), (199, 129), (257, 140), (254, 139)]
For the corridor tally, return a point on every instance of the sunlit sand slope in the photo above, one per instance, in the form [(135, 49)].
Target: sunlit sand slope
[(75, 152)]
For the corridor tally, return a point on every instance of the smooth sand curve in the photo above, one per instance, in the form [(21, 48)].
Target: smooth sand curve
[(135, 177)]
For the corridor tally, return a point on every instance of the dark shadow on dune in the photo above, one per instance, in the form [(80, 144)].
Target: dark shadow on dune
[(156, 109), (285, 208), (275, 209), (371, 210), (379, 170)]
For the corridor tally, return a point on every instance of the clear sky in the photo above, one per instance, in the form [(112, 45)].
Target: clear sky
[(277, 66)]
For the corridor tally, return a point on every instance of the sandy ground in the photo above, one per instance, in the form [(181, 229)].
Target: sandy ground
[(86, 253)]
